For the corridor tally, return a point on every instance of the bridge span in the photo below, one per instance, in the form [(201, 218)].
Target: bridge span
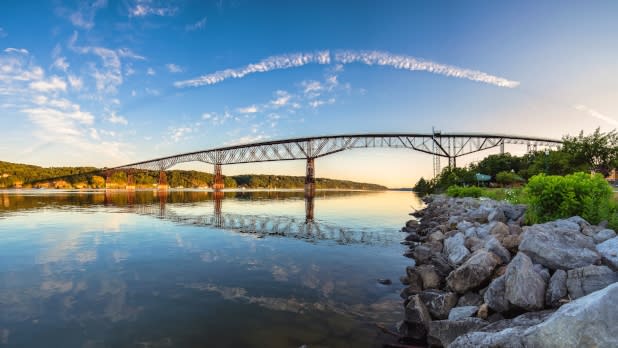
[(446, 145)]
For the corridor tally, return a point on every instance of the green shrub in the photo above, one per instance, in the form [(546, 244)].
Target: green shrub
[(554, 197), (459, 191), (508, 178)]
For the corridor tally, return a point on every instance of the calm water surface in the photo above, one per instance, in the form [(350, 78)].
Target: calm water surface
[(188, 269)]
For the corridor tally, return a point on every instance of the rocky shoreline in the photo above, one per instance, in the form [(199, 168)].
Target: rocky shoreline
[(480, 278)]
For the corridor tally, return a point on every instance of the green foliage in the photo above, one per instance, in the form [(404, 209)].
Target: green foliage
[(423, 187), (554, 197), (508, 178), (461, 191), (494, 164), (599, 151)]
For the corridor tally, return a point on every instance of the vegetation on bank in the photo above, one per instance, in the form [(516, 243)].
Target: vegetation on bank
[(20, 175)]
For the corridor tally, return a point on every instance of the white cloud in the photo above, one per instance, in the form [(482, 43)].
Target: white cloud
[(133, 93), (348, 57), (55, 83), (152, 91), (117, 119), (3, 33), (150, 72), (127, 53), (317, 103), (416, 64), (143, 8), (84, 16), (60, 63), (173, 68), (128, 71), (94, 134), (248, 110), (50, 116), (282, 98), (596, 114), (197, 25), (75, 82), (16, 50), (207, 116), (180, 133), (312, 89), (271, 63)]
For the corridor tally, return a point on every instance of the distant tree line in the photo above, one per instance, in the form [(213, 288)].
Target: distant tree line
[(22, 175), (597, 152)]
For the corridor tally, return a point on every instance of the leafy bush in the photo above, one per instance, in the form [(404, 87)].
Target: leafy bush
[(460, 191), (554, 197), (508, 178)]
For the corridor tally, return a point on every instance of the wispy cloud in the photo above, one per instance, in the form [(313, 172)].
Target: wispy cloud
[(370, 58), (177, 134), (248, 110), (116, 119), (75, 82), (282, 99), (596, 114), (60, 63), (197, 25), (151, 72), (84, 16), (271, 63), (173, 68), (143, 8), (16, 50), (53, 84), (127, 53), (3, 33)]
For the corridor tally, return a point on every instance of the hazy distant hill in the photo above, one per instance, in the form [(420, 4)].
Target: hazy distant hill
[(20, 175)]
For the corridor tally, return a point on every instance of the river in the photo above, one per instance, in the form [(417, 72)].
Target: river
[(191, 269)]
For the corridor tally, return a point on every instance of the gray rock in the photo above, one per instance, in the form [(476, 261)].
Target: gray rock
[(497, 214), (603, 235), (457, 313), (470, 299), (585, 280), (441, 264), (474, 243), (584, 226), (474, 272), (438, 303), (589, 321), (556, 289), (417, 318), (495, 295), (542, 271), (514, 212), (609, 251), (524, 287), (558, 245), (499, 230), (430, 277), (493, 245), (422, 253), (503, 333), (464, 225), (443, 332), (436, 236), (480, 214), (455, 249)]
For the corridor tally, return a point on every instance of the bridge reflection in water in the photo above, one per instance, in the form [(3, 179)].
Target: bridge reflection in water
[(260, 225)]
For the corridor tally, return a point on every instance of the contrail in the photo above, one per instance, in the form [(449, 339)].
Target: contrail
[(596, 114), (348, 57), (271, 63), (416, 64)]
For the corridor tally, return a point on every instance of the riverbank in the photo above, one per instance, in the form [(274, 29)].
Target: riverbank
[(479, 277)]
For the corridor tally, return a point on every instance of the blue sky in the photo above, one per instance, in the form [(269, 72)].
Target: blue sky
[(109, 82)]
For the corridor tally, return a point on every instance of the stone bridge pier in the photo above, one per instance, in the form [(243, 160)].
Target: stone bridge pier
[(310, 178)]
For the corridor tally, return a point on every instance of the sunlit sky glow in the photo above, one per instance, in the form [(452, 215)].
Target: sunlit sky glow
[(107, 82)]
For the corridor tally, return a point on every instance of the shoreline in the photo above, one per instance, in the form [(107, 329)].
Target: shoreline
[(480, 277)]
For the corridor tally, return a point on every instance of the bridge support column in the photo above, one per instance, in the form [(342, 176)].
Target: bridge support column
[(218, 185), (452, 162), (108, 181), (163, 186), (309, 209), (217, 198), (130, 181), (502, 147), (310, 178)]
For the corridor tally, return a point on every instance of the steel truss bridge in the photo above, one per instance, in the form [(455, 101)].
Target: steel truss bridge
[(440, 145)]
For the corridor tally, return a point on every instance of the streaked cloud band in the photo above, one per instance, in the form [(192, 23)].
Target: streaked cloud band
[(370, 58)]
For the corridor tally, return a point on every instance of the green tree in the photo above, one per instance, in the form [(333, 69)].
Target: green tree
[(599, 151)]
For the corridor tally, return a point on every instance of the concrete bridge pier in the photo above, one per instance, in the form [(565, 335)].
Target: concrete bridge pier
[(130, 180), (163, 186), (309, 208), (218, 184), (310, 178)]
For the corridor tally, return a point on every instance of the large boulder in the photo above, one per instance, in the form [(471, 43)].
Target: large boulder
[(457, 313), (503, 333), (474, 273), (558, 245), (430, 277), (603, 235), (470, 299), (585, 280), (589, 321), (455, 249), (438, 303), (556, 289), (493, 245), (525, 288), (609, 251), (495, 295), (443, 332), (417, 318), (497, 214)]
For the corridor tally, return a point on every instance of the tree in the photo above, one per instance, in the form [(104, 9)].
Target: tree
[(97, 181), (494, 164), (422, 187), (599, 151)]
